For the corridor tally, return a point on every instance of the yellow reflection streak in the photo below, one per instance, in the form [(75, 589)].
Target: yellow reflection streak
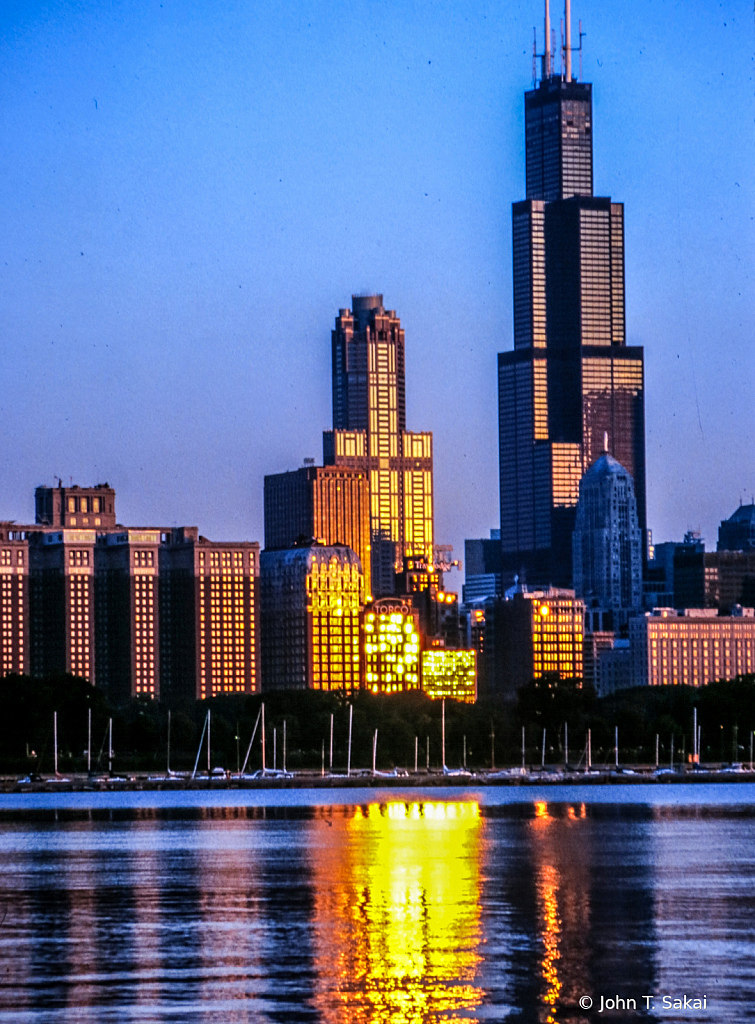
[(547, 890), (561, 872), (397, 912)]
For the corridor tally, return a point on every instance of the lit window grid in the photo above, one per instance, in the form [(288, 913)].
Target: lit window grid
[(450, 673), (227, 634), (418, 514), (145, 641), (595, 277), (528, 229), (79, 624), (557, 630), (13, 623), (391, 652), (566, 473), (334, 593), (683, 651)]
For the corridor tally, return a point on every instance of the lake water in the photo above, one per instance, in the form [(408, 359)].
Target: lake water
[(377, 906)]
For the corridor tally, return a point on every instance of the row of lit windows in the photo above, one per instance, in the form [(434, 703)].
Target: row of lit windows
[(6, 557), (94, 505), (9, 604)]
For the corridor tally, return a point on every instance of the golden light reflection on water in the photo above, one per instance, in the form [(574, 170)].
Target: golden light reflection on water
[(561, 870), (397, 914)]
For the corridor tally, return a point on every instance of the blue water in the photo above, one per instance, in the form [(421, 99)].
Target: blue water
[(508, 904)]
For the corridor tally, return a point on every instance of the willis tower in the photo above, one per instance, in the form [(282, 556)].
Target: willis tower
[(571, 379)]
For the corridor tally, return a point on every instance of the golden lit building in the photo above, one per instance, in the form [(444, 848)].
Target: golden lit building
[(329, 504), (448, 673), (391, 646), (14, 600), (311, 599), (541, 633), (369, 434), (691, 648)]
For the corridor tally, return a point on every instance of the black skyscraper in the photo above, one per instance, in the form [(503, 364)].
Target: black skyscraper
[(571, 377)]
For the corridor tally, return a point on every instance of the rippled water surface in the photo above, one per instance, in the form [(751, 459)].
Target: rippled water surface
[(421, 907)]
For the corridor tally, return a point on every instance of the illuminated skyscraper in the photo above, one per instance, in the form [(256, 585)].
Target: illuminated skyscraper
[(571, 377), (369, 433), (311, 597), (541, 634), (329, 504)]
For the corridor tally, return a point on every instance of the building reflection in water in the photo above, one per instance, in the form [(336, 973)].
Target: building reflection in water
[(568, 903), (397, 913), (562, 887)]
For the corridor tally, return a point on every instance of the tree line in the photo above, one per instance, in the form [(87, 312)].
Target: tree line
[(487, 734)]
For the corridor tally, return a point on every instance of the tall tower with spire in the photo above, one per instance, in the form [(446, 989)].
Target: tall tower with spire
[(369, 434), (571, 377)]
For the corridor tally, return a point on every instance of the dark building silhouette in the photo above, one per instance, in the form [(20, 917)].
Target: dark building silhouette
[(482, 567), (369, 434), (571, 377), (737, 533)]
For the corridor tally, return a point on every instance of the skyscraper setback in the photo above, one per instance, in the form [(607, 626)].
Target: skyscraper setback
[(369, 434), (571, 377)]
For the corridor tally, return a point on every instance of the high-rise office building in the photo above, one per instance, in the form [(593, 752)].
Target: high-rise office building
[(369, 434), (311, 598), (14, 599), (62, 602), (607, 546), (541, 634), (329, 504), (127, 637), (209, 616), (571, 378)]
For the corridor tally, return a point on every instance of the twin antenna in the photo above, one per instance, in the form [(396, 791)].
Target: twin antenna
[(547, 57)]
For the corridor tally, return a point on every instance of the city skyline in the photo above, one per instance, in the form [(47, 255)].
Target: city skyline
[(227, 192)]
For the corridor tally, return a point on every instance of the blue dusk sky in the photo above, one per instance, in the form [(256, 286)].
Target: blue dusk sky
[(191, 190)]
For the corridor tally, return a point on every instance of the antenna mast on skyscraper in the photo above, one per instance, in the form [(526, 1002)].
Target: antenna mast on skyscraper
[(567, 38), (547, 70)]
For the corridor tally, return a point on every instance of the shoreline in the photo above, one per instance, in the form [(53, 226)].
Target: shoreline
[(302, 780)]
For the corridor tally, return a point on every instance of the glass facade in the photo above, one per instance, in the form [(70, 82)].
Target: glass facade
[(571, 379), (558, 139)]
